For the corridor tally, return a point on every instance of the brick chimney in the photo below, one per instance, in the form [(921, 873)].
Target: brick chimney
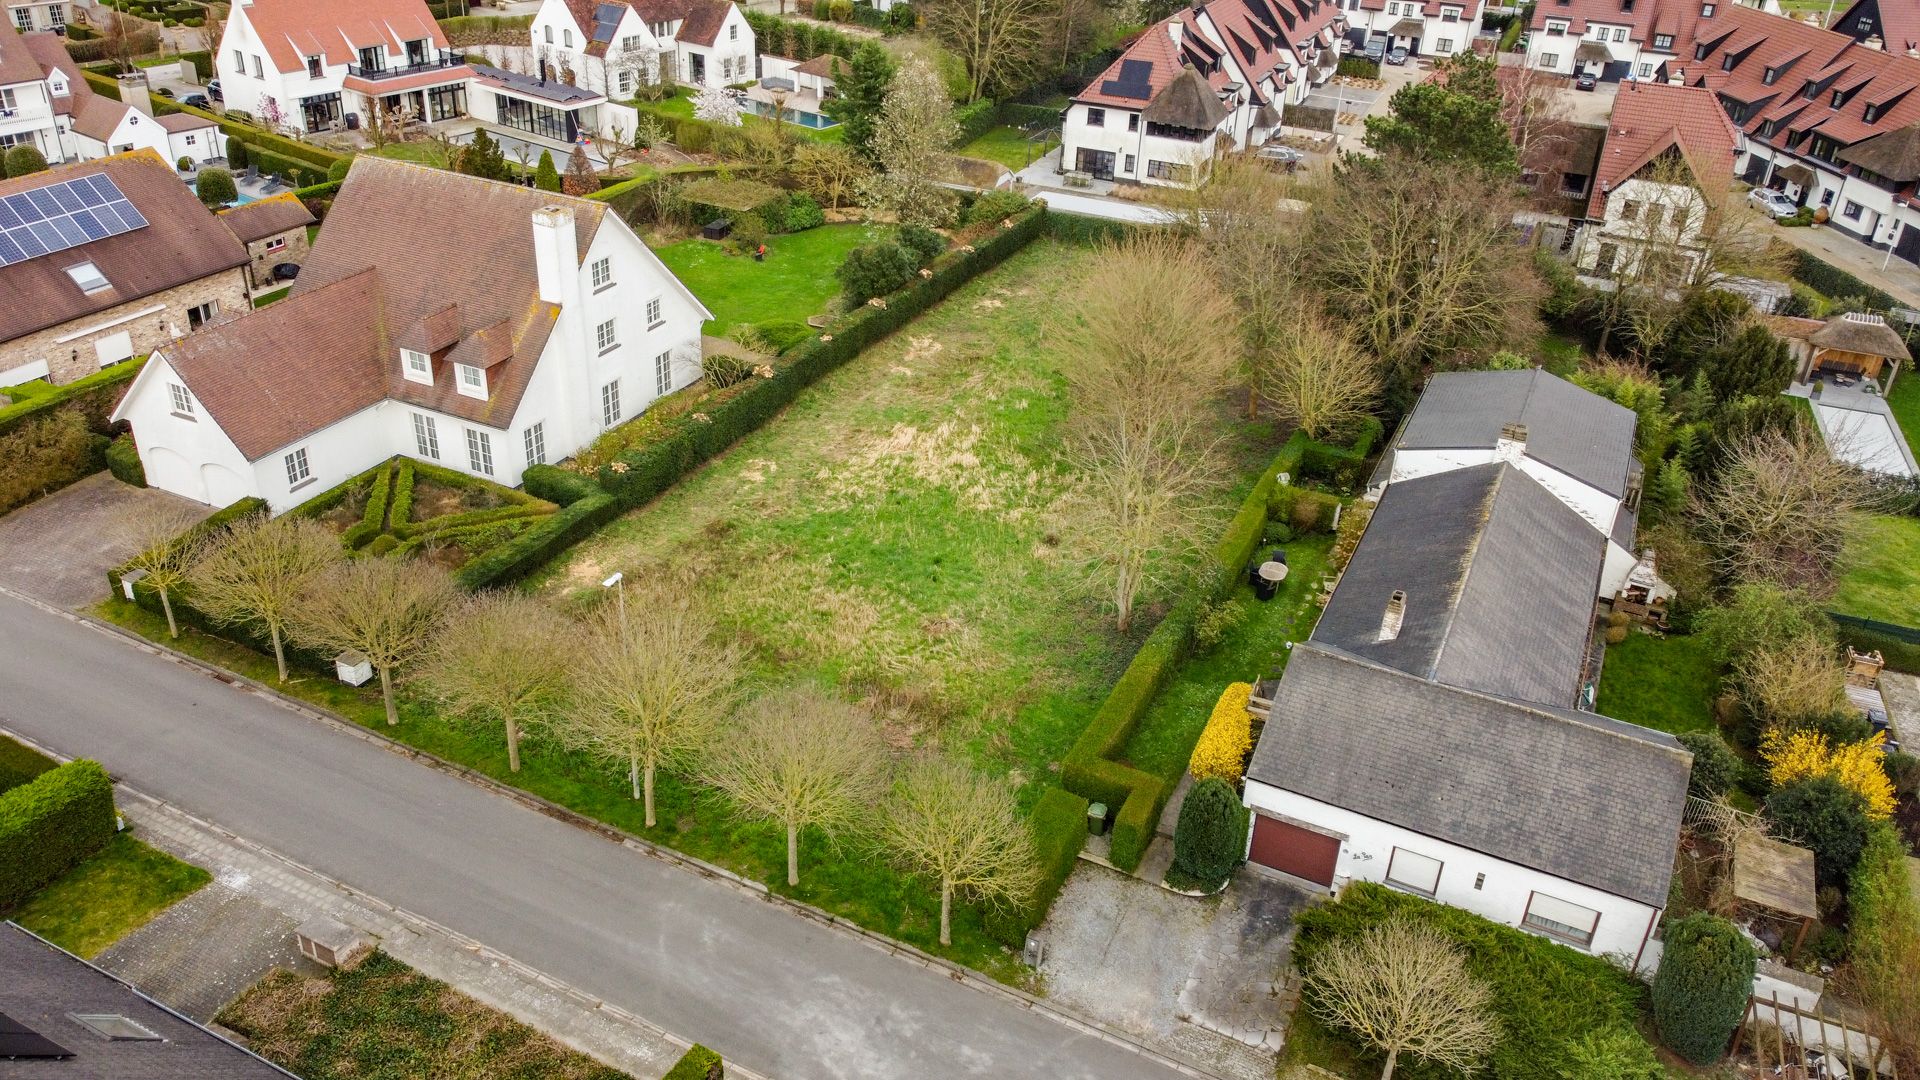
[(1511, 446)]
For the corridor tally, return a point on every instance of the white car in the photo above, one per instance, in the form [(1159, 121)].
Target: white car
[(1776, 205)]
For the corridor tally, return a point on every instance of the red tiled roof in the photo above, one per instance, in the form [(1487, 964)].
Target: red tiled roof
[(1651, 118), (180, 121), (292, 30), (1228, 41), (460, 73)]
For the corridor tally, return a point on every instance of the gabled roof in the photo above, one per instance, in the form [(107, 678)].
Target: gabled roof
[(1581, 434), (1572, 794), (266, 217), (331, 347), (17, 65), (1859, 333), (1898, 24), (1649, 119), (821, 66), (181, 242), (1497, 576), (337, 30)]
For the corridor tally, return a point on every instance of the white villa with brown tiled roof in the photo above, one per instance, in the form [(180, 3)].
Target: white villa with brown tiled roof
[(509, 330), (616, 46), (1207, 80), (46, 104)]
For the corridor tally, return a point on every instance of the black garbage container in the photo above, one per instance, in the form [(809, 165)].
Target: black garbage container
[(717, 229)]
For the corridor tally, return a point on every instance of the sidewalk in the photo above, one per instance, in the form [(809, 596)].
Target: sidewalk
[(1899, 277)]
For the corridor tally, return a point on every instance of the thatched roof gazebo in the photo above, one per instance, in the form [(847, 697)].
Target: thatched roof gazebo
[(1778, 877), (1857, 344)]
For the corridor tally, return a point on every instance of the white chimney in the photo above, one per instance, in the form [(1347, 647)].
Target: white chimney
[(1873, 41), (133, 91), (1174, 30), (1512, 444), (1393, 616), (556, 254)]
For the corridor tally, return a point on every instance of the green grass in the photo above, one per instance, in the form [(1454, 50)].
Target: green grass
[(422, 152), (1905, 403), (1559, 353), (1883, 579), (264, 299), (19, 763), (385, 1021), (1255, 648), (681, 107), (108, 896), (795, 282), (1006, 145), (1667, 683)]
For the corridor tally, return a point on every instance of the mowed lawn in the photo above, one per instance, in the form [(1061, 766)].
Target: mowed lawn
[(1883, 577), (1667, 683), (1905, 403), (1007, 145), (795, 282), (108, 896)]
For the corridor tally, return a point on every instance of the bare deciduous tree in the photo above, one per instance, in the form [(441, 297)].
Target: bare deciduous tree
[(802, 759), (1794, 680), (387, 610), (1403, 988), (1782, 510), (650, 690), (911, 141), (502, 659), (1000, 41), (169, 546), (259, 571), (829, 172), (1143, 358), (1317, 377), (959, 828)]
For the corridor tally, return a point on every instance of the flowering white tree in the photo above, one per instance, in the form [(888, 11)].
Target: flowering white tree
[(716, 106)]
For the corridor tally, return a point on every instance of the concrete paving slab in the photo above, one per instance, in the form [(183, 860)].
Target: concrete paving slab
[(205, 950), (59, 549)]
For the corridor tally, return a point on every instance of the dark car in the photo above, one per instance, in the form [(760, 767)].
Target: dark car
[(1397, 57), (1585, 82), (164, 91), (285, 271), (198, 101), (1376, 50)]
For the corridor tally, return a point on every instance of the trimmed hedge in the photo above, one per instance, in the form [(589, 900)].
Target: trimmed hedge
[(1809, 269), (1340, 466), (562, 487), (1899, 655), (214, 522), (49, 824), (1059, 824), (1211, 836), (537, 546), (1546, 996), (975, 120), (123, 461), (1701, 989), (698, 1063), (96, 394)]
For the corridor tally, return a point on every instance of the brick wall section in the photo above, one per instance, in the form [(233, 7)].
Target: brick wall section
[(69, 360), (264, 261)]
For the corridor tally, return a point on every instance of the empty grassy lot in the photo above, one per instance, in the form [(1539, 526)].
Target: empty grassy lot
[(1007, 145), (796, 280), (1884, 580)]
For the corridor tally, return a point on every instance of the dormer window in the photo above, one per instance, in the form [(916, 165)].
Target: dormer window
[(416, 366), (1706, 11), (88, 277), (472, 381), (1663, 41), (1626, 5), (313, 67), (1871, 114), (59, 86), (1770, 75)]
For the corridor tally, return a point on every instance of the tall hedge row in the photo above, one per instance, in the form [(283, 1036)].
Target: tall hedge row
[(1059, 824), (95, 395), (49, 824)]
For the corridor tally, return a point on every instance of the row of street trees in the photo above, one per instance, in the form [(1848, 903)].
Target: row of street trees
[(646, 686)]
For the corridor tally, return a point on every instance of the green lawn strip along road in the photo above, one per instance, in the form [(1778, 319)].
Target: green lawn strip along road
[(108, 896)]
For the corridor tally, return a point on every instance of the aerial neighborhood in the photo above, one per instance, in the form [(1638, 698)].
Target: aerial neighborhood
[(1252, 539)]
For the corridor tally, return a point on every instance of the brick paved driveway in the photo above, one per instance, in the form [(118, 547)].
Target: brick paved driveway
[(60, 548)]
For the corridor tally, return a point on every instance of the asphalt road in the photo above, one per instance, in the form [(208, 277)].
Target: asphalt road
[(781, 995)]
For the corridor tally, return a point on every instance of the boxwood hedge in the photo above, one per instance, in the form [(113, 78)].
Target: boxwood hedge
[(49, 824), (1059, 824)]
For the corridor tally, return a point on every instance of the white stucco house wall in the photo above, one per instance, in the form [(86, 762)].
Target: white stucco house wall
[(1431, 28), (574, 327), (614, 48)]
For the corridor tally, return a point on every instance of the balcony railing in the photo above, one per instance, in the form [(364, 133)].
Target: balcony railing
[(444, 60)]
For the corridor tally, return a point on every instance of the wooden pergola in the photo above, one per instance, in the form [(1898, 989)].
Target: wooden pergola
[(1778, 877)]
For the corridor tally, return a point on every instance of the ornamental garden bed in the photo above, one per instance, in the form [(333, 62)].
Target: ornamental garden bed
[(403, 506)]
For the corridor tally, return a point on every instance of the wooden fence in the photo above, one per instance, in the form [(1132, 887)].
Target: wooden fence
[(1807, 1043)]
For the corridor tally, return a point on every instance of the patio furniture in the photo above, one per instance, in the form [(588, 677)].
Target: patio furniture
[(1267, 579), (273, 184), (253, 174)]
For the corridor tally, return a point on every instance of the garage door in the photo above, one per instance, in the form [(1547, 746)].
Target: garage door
[(1291, 849)]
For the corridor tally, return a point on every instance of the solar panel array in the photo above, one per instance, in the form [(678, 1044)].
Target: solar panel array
[(63, 215)]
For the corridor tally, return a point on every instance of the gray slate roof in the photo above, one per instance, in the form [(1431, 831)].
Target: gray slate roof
[(1572, 794), (1499, 575), (1581, 434), (42, 985)]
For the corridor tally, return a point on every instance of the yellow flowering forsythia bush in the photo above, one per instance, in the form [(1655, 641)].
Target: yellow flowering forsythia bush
[(1858, 766), (1228, 736)]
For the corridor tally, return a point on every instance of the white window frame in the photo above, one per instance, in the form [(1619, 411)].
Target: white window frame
[(470, 380), (274, 244), (534, 440), (602, 271), (182, 401), (606, 336), (610, 404), (479, 451), (663, 374), (1413, 872), (416, 366), (426, 436), (655, 318), (1559, 929), (299, 469), (1443, 46), (1550, 60)]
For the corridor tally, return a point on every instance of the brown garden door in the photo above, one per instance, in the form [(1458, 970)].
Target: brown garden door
[(1291, 849)]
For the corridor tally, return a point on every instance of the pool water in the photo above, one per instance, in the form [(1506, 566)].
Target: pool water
[(791, 116)]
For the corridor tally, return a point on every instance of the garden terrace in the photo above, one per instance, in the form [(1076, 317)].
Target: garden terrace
[(402, 505)]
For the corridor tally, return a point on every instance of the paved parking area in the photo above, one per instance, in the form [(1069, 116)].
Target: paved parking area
[(1197, 977), (60, 548)]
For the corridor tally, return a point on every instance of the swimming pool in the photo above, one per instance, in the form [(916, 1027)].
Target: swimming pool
[(801, 117)]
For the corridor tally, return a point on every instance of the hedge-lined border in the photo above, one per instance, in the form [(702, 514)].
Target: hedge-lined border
[(102, 384), (295, 153), (49, 824), (1058, 822)]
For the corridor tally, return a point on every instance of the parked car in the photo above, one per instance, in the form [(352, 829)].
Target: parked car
[(198, 101), (1397, 57), (286, 271), (1285, 157), (213, 90), (1585, 81), (1774, 204), (1376, 50)]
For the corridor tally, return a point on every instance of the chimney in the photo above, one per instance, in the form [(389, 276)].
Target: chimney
[(1874, 41), (133, 91), (1512, 444), (1393, 616), (556, 255), (1174, 30)]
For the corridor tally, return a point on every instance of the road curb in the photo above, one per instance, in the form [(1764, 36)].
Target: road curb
[(957, 972)]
